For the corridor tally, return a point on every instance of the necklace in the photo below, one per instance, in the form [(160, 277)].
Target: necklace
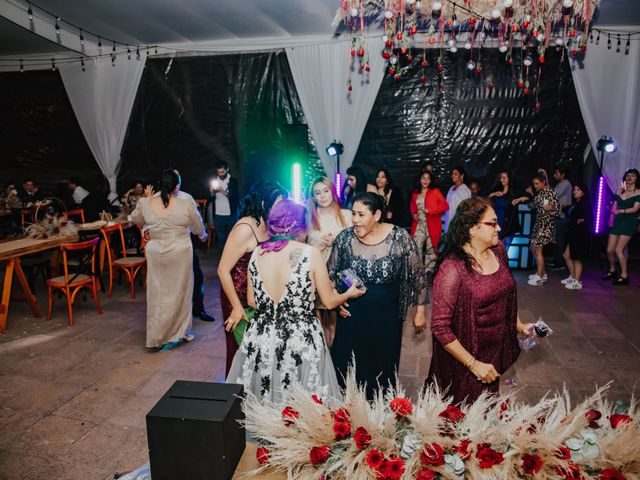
[(281, 237)]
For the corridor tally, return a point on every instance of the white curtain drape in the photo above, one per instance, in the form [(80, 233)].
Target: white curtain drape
[(102, 98), (320, 73), (608, 88)]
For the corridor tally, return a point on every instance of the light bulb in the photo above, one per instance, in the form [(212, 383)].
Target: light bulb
[(436, 6), (354, 12), (388, 14), (453, 49), (528, 61), (471, 65), (507, 3), (495, 13), (503, 48), (540, 37), (467, 45), (30, 13), (393, 60), (567, 3), (527, 18)]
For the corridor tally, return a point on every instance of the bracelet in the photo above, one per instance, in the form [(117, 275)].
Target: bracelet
[(470, 362)]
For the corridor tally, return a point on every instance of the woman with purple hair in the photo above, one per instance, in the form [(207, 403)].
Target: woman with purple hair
[(284, 344)]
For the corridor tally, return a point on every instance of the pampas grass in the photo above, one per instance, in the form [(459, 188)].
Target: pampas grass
[(510, 428)]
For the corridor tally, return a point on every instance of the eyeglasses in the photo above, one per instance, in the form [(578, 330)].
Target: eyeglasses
[(493, 224)]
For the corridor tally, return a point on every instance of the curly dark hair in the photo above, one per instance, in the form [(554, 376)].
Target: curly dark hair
[(260, 198), (468, 214)]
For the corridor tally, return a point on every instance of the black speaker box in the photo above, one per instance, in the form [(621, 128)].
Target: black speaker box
[(193, 432)]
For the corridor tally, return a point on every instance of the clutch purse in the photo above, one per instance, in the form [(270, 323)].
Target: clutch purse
[(238, 332)]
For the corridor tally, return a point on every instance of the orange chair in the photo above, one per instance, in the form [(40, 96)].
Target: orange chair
[(71, 283), (75, 213), (27, 212), (131, 265)]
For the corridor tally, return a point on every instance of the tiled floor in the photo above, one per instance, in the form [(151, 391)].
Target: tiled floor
[(73, 400)]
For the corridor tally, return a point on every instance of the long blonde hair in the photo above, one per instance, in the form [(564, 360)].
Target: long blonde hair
[(312, 206)]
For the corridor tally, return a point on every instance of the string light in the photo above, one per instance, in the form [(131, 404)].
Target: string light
[(128, 53), (618, 44), (57, 27), (30, 13), (608, 41), (99, 46), (113, 59), (21, 67), (598, 39), (53, 64), (591, 37), (137, 53), (114, 47), (81, 38), (628, 45)]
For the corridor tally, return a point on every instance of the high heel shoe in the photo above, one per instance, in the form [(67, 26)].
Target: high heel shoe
[(620, 281), (610, 276)]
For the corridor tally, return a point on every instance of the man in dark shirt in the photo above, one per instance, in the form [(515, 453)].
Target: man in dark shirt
[(30, 194)]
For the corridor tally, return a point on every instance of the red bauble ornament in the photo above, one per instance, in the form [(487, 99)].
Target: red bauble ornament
[(441, 85), (432, 40), (440, 68), (350, 88), (362, 66), (367, 68), (520, 84), (361, 52), (490, 85), (574, 52), (391, 71), (572, 33), (510, 61), (399, 36), (515, 27), (541, 59), (535, 33), (478, 69), (525, 24), (472, 21), (353, 52), (526, 91), (397, 76), (423, 79), (409, 57), (388, 43), (583, 48), (413, 30), (403, 51), (386, 55), (424, 63), (537, 106)]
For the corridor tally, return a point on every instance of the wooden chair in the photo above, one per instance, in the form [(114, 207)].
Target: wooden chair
[(130, 265), (78, 213), (27, 212), (211, 230), (71, 283)]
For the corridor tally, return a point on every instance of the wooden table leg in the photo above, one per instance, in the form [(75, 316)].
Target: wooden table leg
[(6, 295), (31, 298)]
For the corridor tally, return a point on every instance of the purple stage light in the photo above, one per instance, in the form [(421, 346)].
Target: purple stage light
[(599, 205)]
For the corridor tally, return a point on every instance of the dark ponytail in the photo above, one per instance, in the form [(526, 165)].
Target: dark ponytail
[(168, 183)]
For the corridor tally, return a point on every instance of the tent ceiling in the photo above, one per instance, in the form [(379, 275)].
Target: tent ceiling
[(148, 22)]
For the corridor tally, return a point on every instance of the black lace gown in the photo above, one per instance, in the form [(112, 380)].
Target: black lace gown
[(394, 275)]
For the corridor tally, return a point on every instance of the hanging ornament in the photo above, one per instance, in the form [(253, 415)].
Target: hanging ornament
[(567, 3), (541, 59), (386, 55), (559, 41), (540, 37), (467, 45), (451, 42), (423, 79), (30, 13), (527, 61), (503, 47), (354, 12), (397, 76), (440, 68), (538, 106), (453, 49), (413, 30), (424, 64), (495, 14), (507, 3), (418, 5), (388, 14), (393, 60), (411, 2), (360, 52), (385, 39), (471, 65), (436, 6)]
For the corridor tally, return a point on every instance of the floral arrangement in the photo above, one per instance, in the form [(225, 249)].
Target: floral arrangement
[(392, 438), (53, 224)]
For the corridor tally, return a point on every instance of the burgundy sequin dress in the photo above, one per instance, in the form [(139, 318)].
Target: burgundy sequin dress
[(239, 276), (481, 312)]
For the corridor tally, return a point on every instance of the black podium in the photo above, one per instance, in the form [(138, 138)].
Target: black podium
[(193, 432)]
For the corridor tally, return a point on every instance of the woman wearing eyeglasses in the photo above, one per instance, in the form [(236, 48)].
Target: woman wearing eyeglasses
[(474, 319)]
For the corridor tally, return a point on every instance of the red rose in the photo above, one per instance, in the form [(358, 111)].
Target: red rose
[(342, 430), (392, 468), (262, 454), (316, 399), (319, 455), (362, 438), (593, 415), (488, 457), (432, 455), (401, 406), (374, 459), (426, 474), (504, 406), (342, 415), (570, 472), (563, 453), (289, 415), (611, 474), (531, 463), (619, 419), (462, 449), (452, 413)]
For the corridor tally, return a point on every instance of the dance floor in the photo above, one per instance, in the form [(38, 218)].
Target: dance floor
[(73, 400)]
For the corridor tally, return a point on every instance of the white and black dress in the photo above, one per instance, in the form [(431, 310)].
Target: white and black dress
[(284, 344)]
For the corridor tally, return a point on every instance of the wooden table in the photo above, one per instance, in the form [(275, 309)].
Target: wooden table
[(10, 252)]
